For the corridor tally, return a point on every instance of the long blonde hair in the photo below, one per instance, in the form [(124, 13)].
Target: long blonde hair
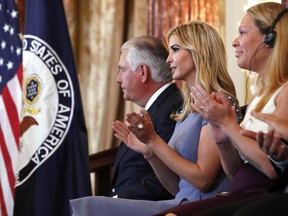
[(277, 66), (209, 56)]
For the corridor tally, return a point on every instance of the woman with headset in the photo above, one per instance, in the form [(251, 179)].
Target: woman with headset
[(262, 47)]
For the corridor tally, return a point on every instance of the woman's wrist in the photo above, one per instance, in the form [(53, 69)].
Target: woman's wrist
[(151, 142), (227, 126)]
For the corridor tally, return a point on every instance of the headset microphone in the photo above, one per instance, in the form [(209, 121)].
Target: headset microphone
[(271, 35)]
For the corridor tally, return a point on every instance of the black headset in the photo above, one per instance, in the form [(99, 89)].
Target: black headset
[(271, 35)]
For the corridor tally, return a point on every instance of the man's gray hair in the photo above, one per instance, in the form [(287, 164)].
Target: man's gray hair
[(151, 52)]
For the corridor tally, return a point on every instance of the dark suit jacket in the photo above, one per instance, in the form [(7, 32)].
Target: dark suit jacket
[(133, 176)]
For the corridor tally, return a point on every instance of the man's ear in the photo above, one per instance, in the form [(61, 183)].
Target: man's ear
[(144, 73)]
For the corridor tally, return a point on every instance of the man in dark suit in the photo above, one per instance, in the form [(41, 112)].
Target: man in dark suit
[(146, 80)]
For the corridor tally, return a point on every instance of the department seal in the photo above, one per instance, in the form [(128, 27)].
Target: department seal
[(48, 105)]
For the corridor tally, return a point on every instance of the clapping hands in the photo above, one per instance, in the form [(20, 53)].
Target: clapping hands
[(139, 132), (215, 108), (146, 132)]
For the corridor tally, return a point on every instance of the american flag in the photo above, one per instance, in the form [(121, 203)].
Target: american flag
[(10, 101)]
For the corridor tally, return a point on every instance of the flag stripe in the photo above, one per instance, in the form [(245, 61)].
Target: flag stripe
[(6, 121), (7, 196), (9, 122), (15, 89), (7, 161), (12, 112), (2, 204)]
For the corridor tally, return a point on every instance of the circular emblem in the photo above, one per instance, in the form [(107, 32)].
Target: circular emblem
[(48, 105)]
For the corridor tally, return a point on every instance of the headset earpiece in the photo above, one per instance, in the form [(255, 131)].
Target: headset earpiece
[(271, 35), (270, 38)]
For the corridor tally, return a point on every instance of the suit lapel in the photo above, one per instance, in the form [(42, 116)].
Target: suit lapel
[(162, 97)]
